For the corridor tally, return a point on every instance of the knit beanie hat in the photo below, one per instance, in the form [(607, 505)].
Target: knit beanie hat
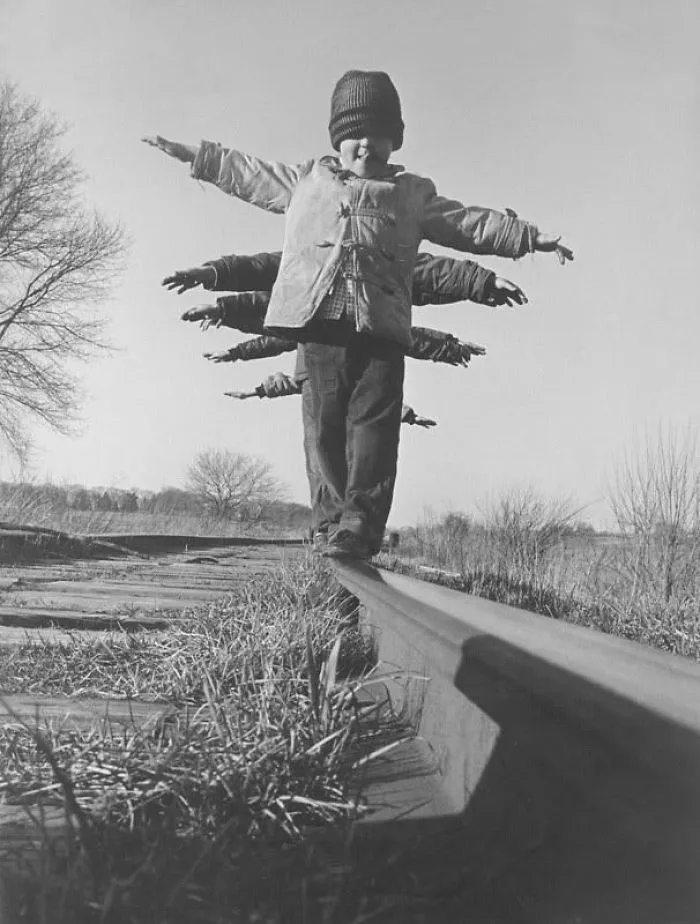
[(365, 103)]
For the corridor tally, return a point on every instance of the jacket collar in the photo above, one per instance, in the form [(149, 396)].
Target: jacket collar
[(334, 165)]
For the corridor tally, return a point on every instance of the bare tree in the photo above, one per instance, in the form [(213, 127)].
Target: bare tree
[(57, 261), (528, 526), (232, 483), (656, 503)]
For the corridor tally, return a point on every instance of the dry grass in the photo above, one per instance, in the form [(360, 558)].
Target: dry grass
[(213, 815), (26, 506), (545, 567), (97, 522)]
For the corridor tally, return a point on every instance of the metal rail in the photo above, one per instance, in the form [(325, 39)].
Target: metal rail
[(568, 761)]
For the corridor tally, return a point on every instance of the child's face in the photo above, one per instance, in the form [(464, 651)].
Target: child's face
[(366, 157)]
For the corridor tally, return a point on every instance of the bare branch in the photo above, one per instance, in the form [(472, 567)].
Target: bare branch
[(656, 503), (229, 483), (58, 261)]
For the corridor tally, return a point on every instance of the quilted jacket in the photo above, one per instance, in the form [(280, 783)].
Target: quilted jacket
[(366, 229)]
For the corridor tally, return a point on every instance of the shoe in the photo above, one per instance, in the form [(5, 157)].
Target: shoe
[(346, 544)]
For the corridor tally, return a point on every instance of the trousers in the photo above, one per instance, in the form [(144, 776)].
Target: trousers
[(356, 398)]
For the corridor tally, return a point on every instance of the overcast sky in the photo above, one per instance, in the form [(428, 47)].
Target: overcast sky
[(582, 116)]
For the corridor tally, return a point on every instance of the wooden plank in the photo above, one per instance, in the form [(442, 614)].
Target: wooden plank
[(11, 636), (169, 576), (126, 589), (220, 566), (73, 712), (112, 606), (25, 617)]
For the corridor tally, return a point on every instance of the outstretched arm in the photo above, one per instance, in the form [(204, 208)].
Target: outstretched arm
[(443, 280), (409, 416), (257, 348), (246, 272), (244, 311), (278, 385), (184, 280), (441, 347), (267, 184), (207, 315), (480, 230), (551, 243), (184, 152), (503, 292), (233, 273)]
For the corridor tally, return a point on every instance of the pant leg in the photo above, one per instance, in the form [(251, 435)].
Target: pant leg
[(319, 523), (376, 372), (329, 388)]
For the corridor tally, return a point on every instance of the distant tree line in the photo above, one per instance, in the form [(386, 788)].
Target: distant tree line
[(55, 500)]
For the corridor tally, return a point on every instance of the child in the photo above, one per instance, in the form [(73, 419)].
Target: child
[(436, 280), (437, 346), (352, 231)]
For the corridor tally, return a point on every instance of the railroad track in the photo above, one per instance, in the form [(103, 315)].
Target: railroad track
[(556, 770), (140, 582)]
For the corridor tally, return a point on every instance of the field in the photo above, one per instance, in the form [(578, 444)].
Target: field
[(244, 706), (97, 522), (644, 587), (641, 582)]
